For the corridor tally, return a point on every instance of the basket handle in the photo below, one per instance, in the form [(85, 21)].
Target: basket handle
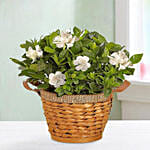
[(25, 84), (122, 87)]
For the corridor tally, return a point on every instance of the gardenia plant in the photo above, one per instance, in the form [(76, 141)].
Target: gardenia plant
[(80, 62)]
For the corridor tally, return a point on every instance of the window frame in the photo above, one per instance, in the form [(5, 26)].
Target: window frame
[(140, 89)]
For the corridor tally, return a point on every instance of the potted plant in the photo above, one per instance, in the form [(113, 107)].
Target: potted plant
[(76, 74)]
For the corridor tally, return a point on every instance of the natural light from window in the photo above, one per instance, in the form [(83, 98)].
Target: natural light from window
[(145, 66), (139, 36)]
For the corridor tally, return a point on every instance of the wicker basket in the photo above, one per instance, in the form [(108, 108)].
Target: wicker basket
[(76, 118)]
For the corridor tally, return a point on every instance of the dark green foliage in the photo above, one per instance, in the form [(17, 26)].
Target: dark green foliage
[(100, 77), (136, 58)]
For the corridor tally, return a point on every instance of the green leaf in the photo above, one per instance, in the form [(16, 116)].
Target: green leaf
[(67, 92), (75, 81), (46, 80), (85, 42), (18, 62), (43, 86), (73, 75), (112, 47), (49, 50), (120, 76), (27, 45), (93, 45), (106, 52), (62, 53), (87, 52), (33, 74), (76, 48), (49, 68), (98, 81), (76, 31), (52, 36), (47, 40), (101, 38), (101, 77), (107, 91), (116, 84), (55, 58), (92, 85), (98, 41), (136, 58), (79, 87), (34, 67), (100, 50), (69, 81), (41, 65), (128, 71), (98, 38), (67, 87), (24, 56), (27, 61), (70, 62), (126, 52), (84, 33), (104, 60), (81, 77), (91, 75), (59, 91)]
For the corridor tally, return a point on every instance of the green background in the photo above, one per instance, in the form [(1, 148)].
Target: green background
[(21, 20)]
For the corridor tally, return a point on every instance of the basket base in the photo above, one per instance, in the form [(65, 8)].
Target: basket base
[(75, 140)]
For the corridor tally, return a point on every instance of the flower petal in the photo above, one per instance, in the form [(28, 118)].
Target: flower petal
[(37, 47), (122, 67), (69, 45), (86, 58), (84, 68), (75, 62), (112, 61), (79, 58), (51, 75), (58, 73), (78, 67), (88, 65), (40, 53)]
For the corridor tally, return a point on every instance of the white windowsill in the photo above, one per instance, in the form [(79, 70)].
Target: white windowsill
[(140, 82), (138, 91)]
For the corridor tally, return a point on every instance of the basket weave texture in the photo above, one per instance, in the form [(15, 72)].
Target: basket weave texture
[(76, 118), (76, 122)]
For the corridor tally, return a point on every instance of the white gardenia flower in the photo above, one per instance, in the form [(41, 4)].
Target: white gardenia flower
[(34, 54), (81, 63), (119, 59), (65, 38), (39, 51), (57, 79), (31, 53)]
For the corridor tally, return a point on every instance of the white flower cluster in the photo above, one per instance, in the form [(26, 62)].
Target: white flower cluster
[(65, 38), (119, 59), (34, 54), (81, 63), (56, 79)]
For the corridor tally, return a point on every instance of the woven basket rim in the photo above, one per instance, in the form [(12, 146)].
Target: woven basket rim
[(84, 98), (102, 93), (78, 98)]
